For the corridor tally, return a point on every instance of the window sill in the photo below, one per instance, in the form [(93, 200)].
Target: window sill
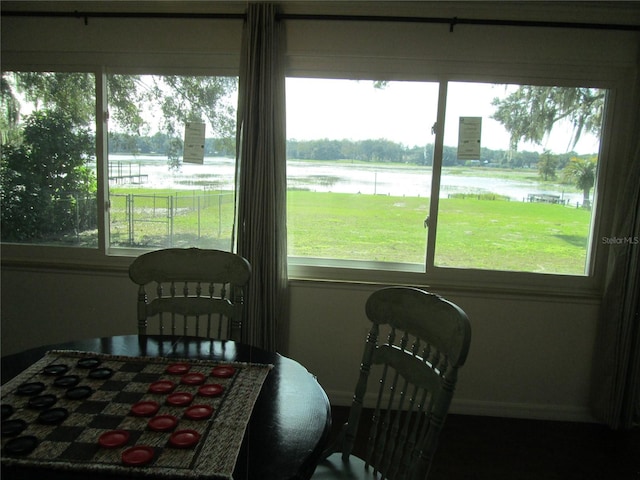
[(467, 281), (62, 258)]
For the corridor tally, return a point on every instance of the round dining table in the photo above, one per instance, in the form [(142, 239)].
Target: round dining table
[(288, 427)]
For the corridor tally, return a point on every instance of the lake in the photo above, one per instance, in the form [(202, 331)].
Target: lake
[(218, 173)]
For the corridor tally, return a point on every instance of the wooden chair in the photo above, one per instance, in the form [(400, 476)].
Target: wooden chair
[(427, 340), (200, 292)]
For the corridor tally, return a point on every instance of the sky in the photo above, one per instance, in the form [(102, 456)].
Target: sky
[(403, 112)]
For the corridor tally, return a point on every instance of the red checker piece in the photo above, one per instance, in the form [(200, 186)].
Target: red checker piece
[(138, 455), (162, 386), (198, 412), (179, 399), (193, 379), (145, 408), (223, 371), (163, 423), (178, 368), (211, 390), (114, 438), (184, 438)]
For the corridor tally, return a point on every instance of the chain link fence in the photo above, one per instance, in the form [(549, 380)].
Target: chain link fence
[(173, 220)]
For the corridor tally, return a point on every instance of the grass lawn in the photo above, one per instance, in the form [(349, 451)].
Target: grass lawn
[(471, 233), (535, 237), (357, 227)]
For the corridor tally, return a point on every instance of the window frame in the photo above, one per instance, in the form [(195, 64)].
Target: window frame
[(468, 279), (102, 255)]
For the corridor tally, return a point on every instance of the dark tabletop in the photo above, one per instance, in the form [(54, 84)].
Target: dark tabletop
[(289, 424)]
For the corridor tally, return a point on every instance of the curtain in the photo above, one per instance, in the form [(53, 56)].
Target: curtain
[(261, 178), (616, 382)]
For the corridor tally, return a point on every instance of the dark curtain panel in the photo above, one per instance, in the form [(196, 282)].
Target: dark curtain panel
[(261, 177), (616, 381)]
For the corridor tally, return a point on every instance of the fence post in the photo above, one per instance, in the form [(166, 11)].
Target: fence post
[(76, 198), (199, 217), (219, 215), (129, 209), (171, 212)]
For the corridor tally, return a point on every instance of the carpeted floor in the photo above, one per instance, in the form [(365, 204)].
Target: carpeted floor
[(491, 448)]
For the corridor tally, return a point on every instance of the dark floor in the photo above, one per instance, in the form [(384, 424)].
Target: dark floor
[(479, 448)]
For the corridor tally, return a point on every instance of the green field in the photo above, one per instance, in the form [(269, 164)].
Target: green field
[(143, 217), (471, 232)]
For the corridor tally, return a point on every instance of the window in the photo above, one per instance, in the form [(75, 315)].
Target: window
[(171, 170), (359, 170), (513, 176), (170, 161), (48, 171)]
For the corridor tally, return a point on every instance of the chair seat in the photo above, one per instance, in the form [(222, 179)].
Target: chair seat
[(333, 467)]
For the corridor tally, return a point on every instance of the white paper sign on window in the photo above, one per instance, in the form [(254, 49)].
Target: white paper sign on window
[(469, 132), (194, 142)]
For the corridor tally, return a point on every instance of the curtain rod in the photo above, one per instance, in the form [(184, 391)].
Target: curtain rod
[(452, 22)]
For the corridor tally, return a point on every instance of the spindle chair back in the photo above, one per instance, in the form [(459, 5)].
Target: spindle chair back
[(415, 346), (194, 292)]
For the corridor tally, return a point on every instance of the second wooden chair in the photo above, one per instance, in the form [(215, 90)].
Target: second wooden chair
[(425, 340), (197, 292)]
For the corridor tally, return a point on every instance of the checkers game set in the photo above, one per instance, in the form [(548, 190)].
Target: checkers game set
[(134, 416)]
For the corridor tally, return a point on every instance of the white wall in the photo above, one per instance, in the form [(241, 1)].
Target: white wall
[(49, 306), (530, 357)]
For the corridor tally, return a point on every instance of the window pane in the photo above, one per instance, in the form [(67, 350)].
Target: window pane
[(172, 163), (524, 203), (48, 171), (359, 169)]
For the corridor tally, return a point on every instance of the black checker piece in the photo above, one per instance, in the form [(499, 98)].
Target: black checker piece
[(7, 411)]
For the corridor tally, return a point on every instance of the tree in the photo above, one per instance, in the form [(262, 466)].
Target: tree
[(547, 165), (530, 113), (45, 183), (10, 107), (582, 173), (193, 99), (44, 158)]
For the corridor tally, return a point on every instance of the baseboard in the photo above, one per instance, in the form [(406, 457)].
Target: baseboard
[(531, 411)]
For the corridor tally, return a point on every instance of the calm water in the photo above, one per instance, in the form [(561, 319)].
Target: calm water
[(218, 173)]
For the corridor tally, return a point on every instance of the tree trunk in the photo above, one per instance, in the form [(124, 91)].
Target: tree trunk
[(585, 198)]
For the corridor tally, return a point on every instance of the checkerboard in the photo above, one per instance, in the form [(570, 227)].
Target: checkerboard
[(124, 382)]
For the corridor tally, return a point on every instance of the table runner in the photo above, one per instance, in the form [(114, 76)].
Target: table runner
[(73, 444)]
